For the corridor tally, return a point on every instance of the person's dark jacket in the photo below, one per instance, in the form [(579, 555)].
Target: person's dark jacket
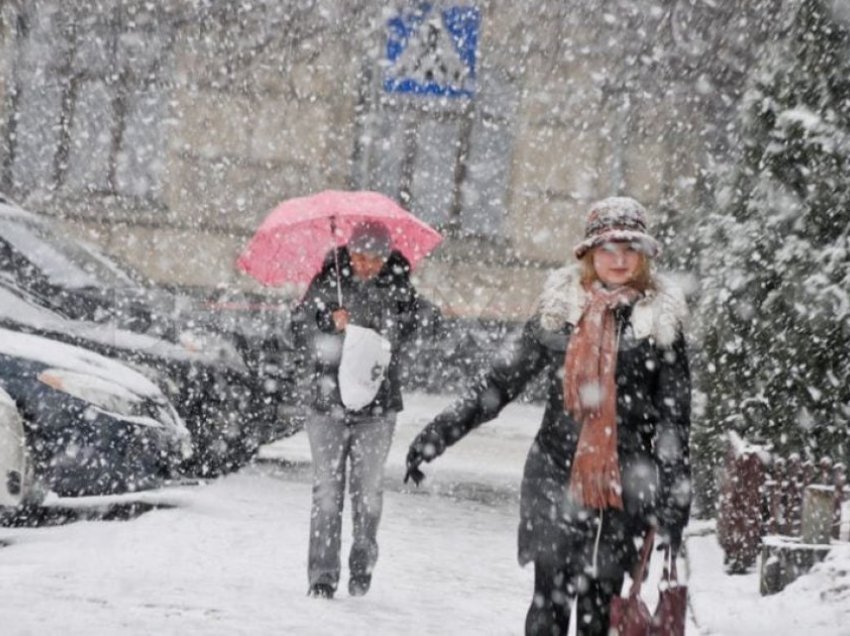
[(653, 415), (387, 303)]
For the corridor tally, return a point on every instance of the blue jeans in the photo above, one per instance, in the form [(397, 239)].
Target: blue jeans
[(360, 444)]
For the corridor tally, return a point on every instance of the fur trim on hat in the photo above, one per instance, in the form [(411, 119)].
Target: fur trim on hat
[(660, 314)]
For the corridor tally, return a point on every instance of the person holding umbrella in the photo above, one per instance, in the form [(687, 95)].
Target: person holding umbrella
[(611, 458), (356, 250), (363, 294)]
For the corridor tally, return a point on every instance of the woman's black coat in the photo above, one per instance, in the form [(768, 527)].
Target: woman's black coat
[(388, 303), (653, 415)]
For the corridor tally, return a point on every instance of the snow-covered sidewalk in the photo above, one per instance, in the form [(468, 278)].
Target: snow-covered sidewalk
[(230, 558)]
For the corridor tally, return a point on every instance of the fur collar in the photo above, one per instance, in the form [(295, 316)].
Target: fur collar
[(660, 314)]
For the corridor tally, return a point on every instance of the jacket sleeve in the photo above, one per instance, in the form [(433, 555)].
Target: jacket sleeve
[(312, 316), (672, 450), (490, 393), (319, 303)]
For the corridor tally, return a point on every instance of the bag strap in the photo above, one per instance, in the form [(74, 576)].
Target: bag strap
[(646, 550)]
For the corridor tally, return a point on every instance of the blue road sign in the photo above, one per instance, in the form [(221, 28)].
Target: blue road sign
[(432, 51)]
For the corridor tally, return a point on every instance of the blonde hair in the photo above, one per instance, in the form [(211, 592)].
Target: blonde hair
[(643, 280)]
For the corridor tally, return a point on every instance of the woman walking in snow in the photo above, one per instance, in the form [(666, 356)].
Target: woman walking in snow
[(611, 458), (365, 284)]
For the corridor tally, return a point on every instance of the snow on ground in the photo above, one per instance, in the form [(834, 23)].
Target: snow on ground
[(817, 604), (229, 557)]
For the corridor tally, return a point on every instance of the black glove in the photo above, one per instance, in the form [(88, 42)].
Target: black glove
[(427, 445), (414, 459)]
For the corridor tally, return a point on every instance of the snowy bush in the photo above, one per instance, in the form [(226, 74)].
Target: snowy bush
[(775, 270)]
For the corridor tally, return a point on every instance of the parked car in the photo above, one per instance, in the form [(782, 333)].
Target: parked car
[(262, 330), (91, 425), (212, 396), (79, 281)]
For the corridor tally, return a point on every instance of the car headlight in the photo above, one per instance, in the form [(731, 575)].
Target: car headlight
[(97, 391), (220, 348)]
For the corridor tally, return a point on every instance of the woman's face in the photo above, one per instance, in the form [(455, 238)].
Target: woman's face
[(366, 265), (616, 263)]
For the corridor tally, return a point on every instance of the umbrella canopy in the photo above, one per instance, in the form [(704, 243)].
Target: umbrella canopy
[(291, 243)]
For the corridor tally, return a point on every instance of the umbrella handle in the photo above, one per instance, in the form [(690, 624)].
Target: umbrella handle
[(338, 280), (336, 262)]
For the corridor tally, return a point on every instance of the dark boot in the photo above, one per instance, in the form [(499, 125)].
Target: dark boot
[(321, 590), (359, 584)]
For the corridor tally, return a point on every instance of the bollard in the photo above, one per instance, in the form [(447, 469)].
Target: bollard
[(773, 496), (779, 505), (739, 519), (818, 511), (794, 494), (825, 466), (839, 479)]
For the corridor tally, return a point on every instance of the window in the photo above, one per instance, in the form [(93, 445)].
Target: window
[(88, 111)]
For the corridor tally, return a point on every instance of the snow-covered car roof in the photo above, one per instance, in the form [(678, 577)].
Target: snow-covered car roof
[(21, 310), (64, 356), (60, 259)]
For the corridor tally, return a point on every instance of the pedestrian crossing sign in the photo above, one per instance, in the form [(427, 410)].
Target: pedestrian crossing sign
[(432, 51)]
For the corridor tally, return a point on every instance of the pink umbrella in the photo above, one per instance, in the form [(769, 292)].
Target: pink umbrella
[(293, 240)]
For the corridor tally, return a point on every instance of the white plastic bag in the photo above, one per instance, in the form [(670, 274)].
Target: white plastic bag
[(365, 358)]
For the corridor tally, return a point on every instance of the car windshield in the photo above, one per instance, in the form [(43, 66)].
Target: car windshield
[(65, 262)]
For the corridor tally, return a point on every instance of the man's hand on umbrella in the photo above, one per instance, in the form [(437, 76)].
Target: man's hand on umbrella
[(340, 318)]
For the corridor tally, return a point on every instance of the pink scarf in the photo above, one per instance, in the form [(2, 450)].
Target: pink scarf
[(590, 396)]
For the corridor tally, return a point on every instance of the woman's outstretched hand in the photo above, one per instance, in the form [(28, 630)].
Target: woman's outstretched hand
[(414, 459), (425, 447)]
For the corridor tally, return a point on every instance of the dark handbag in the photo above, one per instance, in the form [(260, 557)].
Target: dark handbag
[(669, 619), (629, 615)]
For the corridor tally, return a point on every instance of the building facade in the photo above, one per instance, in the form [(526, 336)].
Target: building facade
[(166, 131)]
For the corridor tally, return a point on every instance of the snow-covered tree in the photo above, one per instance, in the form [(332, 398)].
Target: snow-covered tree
[(775, 265)]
